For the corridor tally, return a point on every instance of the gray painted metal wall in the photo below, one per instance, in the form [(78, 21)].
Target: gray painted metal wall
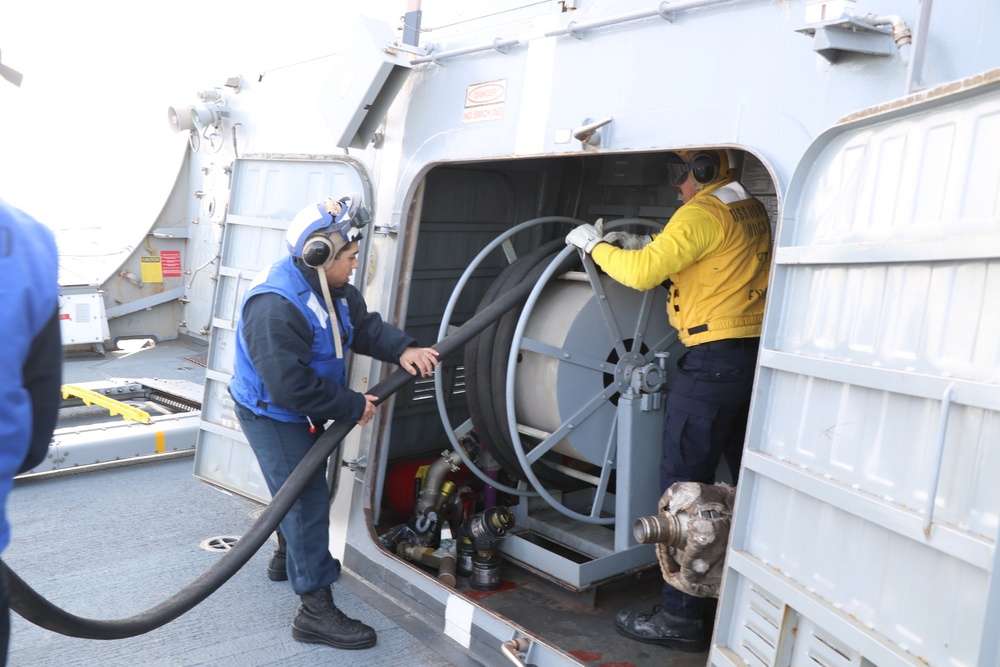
[(267, 192), (867, 513)]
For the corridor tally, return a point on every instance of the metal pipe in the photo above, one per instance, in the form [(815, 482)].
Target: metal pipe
[(449, 562), (915, 68), (942, 435), (430, 493), (441, 560), (573, 28), (512, 649), (195, 272), (900, 32), (663, 528), (501, 45), (663, 10)]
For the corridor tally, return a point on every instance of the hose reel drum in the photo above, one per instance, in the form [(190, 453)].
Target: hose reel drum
[(571, 359), (568, 396)]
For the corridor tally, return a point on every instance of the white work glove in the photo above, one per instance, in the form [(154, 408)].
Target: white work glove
[(585, 237), (626, 240)]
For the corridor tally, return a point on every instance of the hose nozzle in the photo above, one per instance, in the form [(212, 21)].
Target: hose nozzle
[(665, 529)]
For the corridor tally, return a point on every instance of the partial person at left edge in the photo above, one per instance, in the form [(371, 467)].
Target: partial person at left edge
[(30, 361)]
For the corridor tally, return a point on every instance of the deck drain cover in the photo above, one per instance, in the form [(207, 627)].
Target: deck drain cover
[(201, 360), (221, 543)]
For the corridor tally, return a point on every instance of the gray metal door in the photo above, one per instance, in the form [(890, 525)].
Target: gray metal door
[(868, 506), (266, 193)]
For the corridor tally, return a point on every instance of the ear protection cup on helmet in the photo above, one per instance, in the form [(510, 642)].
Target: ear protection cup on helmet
[(705, 167), (317, 251)]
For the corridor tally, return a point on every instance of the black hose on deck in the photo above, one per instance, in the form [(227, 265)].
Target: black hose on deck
[(33, 607)]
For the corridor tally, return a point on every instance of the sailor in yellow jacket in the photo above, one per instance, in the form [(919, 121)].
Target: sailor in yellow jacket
[(714, 254)]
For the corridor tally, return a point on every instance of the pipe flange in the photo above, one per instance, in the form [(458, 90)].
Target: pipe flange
[(626, 368), (649, 379)]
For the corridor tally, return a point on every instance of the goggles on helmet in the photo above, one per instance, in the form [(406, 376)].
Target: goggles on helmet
[(677, 169), (677, 172), (349, 230), (350, 216), (709, 165), (339, 220)]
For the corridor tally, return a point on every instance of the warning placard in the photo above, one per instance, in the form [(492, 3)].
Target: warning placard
[(151, 270), (485, 101), (170, 260)]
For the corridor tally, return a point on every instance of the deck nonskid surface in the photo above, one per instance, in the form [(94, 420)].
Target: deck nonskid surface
[(114, 542), (109, 544)]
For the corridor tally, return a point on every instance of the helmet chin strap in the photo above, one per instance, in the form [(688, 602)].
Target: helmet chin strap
[(334, 322)]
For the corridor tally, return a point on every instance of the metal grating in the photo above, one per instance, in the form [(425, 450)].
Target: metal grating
[(200, 359)]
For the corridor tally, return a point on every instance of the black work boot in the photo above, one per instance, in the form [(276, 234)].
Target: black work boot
[(318, 621), (663, 628), (276, 565)]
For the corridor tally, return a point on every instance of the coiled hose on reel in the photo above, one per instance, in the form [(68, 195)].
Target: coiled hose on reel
[(29, 604), (486, 368)]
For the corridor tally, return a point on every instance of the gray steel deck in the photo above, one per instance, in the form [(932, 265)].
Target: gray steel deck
[(113, 542), (108, 544)]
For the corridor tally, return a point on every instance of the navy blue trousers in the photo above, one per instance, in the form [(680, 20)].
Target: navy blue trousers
[(705, 420), (279, 447)]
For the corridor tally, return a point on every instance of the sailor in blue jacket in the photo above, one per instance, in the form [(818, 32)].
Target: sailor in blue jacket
[(31, 362), (299, 318)]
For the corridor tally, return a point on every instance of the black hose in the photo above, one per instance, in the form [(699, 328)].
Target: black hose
[(488, 413), (486, 370), (33, 607)]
